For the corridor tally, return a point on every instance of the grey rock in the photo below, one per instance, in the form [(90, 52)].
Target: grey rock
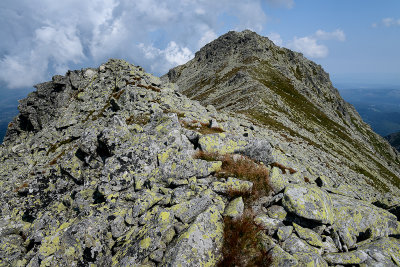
[(284, 232), (235, 208), (277, 212), (309, 202), (268, 224), (293, 244), (200, 242), (282, 258)]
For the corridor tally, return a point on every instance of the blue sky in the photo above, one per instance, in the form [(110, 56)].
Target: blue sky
[(356, 41)]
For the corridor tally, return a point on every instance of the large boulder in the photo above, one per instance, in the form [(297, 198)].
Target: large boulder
[(309, 202), (359, 219)]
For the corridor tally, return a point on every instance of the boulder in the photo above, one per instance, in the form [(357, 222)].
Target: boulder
[(359, 219), (310, 202), (201, 243), (235, 208)]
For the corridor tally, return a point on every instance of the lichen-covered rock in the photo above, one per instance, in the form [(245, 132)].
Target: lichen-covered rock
[(268, 224), (235, 208), (383, 252), (308, 235), (278, 181), (200, 244), (310, 259), (356, 217), (222, 143), (284, 232), (347, 258), (188, 210), (281, 257), (232, 184), (294, 244), (277, 212), (309, 202)]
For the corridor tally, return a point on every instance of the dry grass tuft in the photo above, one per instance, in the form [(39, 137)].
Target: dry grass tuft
[(24, 185), (139, 119), (241, 243), (150, 87), (243, 168), (203, 129), (54, 161), (283, 168)]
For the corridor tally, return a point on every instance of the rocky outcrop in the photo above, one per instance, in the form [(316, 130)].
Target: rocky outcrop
[(114, 167), (394, 140)]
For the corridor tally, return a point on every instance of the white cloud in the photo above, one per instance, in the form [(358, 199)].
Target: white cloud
[(309, 47), (335, 35), (387, 22), (207, 37), (276, 38), (47, 36), (285, 3), (167, 58)]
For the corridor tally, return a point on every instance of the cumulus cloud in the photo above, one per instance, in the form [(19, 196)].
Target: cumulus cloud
[(46, 37), (169, 57), (310, 46)]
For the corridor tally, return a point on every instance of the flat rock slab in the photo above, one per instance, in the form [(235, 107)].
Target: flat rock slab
[(310, 202)]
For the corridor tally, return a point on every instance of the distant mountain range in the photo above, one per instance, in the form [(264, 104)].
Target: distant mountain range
[(380, 108)]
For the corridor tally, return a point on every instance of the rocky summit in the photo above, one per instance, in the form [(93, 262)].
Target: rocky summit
[(251, 159)]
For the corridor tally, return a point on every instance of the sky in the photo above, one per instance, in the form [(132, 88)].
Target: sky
[(356, 41)]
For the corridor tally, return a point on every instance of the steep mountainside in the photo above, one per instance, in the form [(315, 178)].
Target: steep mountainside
[(394, 140), (247, 74)]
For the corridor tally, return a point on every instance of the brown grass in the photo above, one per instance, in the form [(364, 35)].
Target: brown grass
[(241, 243), (283, 168), (150, 87), (140, 119), (234, 193), (21, 187), (203, 129), (118, 94), (243, 168), (54, 161)]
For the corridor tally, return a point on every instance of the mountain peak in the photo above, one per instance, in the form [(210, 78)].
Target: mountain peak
[(245, 73)]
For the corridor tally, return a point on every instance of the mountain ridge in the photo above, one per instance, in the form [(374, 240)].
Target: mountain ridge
[(112, 166), (293, 93)]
